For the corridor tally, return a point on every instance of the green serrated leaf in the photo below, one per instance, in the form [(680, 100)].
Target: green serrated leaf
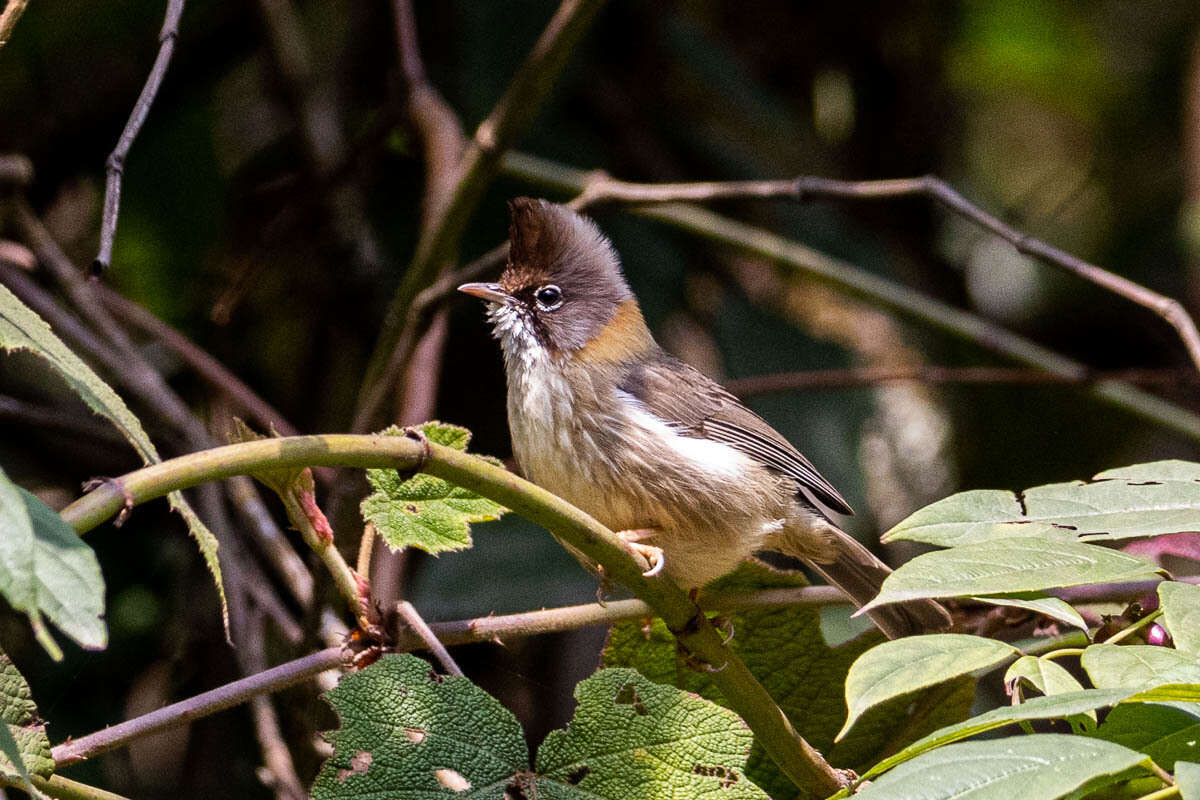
[(1043, 766), (1113, 666), (785, 650), (1009, 565), (1044, 674), (46, 569), (1180, 604), (23, 741), (1063, 706), (632, 738), (1039, 603), (1165, 733), (22, 329), (407, 732), (423, 511), (915, 662), (1140, 500), (1187, 777)]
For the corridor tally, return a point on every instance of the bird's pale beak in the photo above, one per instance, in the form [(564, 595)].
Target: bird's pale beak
[(492, 292)]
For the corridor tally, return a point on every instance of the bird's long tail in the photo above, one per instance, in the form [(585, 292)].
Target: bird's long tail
[(856, 571)]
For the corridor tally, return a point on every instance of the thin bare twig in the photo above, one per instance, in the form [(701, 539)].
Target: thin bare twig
[(600, 189), (429, 639), (872, 376), (227, 696), (115, 166), (883, 293), (13, 10)]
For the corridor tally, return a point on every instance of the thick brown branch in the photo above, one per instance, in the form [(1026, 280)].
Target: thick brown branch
[(115, 166)]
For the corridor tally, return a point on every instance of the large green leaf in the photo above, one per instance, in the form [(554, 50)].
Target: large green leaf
[(1028, 564), (632, 738), (1113, 666), (786, 651), (24, 745), (1140, 500), (1180, 604), (421, 510), (1166, 733), (408, 733), (898, 667), (46, 569), (1043, 766), (1061, 706), (22, 329)]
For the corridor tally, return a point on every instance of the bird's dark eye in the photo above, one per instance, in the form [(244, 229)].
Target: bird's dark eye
[(548, 297)]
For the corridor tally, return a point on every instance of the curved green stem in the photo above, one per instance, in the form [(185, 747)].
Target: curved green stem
[(746, 696)]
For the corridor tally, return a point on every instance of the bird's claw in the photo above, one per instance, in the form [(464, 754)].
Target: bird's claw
[(653, 555)]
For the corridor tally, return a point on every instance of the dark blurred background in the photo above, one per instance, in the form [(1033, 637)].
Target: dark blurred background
[(273, 200)]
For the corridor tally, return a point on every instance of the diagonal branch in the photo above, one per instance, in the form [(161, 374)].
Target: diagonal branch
[(115, 166), (691, 627), (599, 188), (510, 117), (846, 277)]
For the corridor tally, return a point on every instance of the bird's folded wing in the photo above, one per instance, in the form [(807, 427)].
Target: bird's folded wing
[(688, 400)]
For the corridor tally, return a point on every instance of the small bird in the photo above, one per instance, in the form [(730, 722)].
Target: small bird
[(600, 415)]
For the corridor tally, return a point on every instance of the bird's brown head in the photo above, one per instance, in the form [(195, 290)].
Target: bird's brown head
[(562, 292)]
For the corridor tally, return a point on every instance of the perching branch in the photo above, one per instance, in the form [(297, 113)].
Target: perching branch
[(846, 277), (115, 166), (687, 622), (601, 188)]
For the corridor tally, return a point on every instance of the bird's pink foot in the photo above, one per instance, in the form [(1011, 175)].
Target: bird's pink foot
[(632, 541)]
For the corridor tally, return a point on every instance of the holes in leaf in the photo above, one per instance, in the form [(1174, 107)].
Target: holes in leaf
[(725, 776), (414, 735), (578, 775), (435, 677), (628, 696), (360, 762), (412, 508), (452, 779)]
